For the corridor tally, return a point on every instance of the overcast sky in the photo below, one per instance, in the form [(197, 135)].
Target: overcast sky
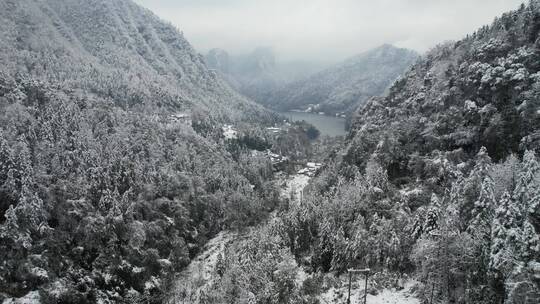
[(326, 30)]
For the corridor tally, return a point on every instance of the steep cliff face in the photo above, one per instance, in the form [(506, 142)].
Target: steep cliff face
[(114, 49)]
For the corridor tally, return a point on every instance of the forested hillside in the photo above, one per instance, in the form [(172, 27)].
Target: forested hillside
[(103, 203), (114, 166), (342, 88), (122, 154), (114, 49), (439, 182)]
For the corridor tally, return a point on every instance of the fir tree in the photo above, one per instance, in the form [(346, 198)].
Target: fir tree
[(525, 189), (530, 242), (483, 209), (506, 235)]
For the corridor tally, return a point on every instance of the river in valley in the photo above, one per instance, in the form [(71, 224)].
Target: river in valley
[(327, 125)]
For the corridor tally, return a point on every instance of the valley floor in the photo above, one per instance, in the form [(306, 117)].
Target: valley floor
[(200, 274), (192, 282)]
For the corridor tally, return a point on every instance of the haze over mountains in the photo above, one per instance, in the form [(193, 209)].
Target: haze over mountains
[(345, 86), (440, 179), (132, 172), (305, 86), (258, 75)]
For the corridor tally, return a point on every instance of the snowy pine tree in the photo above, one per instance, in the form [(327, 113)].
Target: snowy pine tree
[(527, 182), (483, 209), (506, 235), (531, 242)]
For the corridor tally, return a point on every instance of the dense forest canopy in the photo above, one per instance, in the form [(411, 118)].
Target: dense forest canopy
[(439, 180), (114, 171), (122, 155)]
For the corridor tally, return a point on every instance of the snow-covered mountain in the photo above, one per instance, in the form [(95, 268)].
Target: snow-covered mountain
[(438, 180), (114, 167), (115, 49), (345, 86)]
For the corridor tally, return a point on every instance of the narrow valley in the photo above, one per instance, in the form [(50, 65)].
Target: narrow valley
[(176, 152)]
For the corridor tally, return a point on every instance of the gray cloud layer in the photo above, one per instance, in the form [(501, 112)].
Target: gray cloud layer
[(325, 29)]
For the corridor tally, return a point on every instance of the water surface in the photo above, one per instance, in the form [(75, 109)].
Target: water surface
[(327, 125)]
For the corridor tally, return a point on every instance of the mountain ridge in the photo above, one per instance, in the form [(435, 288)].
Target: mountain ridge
[(344, 86), (98, 41)]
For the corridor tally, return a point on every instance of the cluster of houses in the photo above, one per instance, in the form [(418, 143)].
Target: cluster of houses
[(310, 169)]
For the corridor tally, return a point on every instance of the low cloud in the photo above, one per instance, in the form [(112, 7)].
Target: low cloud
[(325, 30)]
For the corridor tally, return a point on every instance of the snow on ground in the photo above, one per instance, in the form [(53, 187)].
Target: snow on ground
[(385, 296), (275, 130), (294, 187), (199, 275), (229, 132), (407, 191), (310, 169), (30, 298), (295, 184)]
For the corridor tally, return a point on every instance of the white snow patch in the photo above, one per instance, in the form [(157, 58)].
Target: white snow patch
[(169, 220), (165, 262), (200, 274), (470, 105), (276, 158), (58, 288), (301, 276), (107, 277), (274, 130), (314, 165), (311, 169), (229, 132), (30, 298), (407, 191), (295, 186), (386, 296), (152, 283), (39, 273)]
